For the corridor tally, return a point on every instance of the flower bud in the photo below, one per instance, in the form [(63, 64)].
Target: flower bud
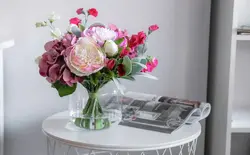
[(110, 48)]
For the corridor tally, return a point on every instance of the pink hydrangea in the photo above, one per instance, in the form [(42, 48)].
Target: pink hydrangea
[(52, 64)]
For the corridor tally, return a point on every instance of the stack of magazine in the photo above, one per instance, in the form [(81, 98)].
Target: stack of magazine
[(160, 113)]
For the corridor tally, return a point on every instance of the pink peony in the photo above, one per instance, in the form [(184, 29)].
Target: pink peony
[(79, 11), (100, 34), (85, 57)]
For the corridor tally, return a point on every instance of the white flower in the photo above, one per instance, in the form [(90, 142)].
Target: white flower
[(53, 17), (110, 48), (56, 33), (100, 34)]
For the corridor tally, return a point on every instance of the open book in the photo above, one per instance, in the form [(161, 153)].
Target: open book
[(161, 113)]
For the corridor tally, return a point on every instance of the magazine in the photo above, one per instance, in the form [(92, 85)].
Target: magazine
[(160, 113)]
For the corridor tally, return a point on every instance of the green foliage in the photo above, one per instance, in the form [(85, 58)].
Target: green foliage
[(131, 78), (76, 31), (81, 27), (64, 90), (127, 65), (138, 64), (41, 24), (141, 49), (119, 41)]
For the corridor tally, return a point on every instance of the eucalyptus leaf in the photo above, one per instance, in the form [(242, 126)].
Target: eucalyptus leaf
[(127, 65), (81, 27), (138, 65), (131, 78), (64, 90), (76, 31), (141, 49)]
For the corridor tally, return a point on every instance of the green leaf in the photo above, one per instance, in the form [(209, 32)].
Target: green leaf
[(137, 65), (64, 90), (81, 27), (127, 65), (128, 78), (76, 31), (93, 80), (141, 49), (119, 41)]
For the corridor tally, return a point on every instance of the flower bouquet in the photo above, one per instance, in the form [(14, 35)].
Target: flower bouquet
[(92, 56)]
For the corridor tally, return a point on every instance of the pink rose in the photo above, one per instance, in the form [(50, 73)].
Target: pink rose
[(153, 28), (93, 12), (75, 21), (79, 11)]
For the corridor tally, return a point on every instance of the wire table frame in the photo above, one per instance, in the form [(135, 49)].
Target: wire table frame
[(62, 139)]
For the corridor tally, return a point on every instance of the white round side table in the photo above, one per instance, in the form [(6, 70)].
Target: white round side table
[(63, 137)]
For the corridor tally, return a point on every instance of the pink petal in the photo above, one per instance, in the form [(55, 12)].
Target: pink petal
[(54, 72), (49, 45), (66, 75), (113, 27), (43, 68), (50, 80)]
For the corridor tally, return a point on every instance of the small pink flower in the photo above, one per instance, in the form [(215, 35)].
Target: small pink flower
[(150, 65), (93, 12), (75, 21), (124, 52), (110, 64), (79, 11), (153, 28)]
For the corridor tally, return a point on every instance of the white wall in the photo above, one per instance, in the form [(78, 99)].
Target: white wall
[(181, 46)]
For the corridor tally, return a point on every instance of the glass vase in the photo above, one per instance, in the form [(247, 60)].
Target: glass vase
[(97, 109)]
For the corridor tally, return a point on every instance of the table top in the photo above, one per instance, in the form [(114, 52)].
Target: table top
[(116, 138)]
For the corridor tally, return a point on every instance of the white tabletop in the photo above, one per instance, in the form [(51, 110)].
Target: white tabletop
[(116, 138)]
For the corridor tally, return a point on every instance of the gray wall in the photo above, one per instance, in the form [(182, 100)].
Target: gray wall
[(181, 45)]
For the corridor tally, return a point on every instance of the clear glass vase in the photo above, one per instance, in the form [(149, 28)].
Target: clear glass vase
[(96, 110)]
